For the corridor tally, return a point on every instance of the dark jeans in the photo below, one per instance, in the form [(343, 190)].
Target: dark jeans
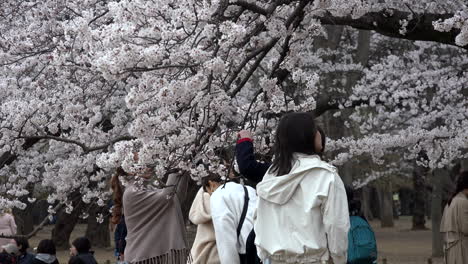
[(251, 250)]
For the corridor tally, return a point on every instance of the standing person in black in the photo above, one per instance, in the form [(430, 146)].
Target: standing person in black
[(45, 253), (119, 237), (80, 252), (253, 170)]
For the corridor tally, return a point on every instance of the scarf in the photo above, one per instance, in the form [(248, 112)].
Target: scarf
[(155, 227)]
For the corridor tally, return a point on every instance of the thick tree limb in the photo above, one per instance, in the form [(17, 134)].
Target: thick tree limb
[(86, 149), (36, 229), (8, 157), (387, 22)]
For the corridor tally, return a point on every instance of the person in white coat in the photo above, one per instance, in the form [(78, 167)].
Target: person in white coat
[(232, 210), (302, 211)]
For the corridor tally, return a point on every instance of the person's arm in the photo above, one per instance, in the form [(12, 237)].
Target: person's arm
[(463, 216), (12, 225), (336, 221), (180, 183), (248, 165), (225, 227)]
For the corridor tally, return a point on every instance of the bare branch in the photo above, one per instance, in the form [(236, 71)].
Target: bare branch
[(251, 6), (36, 229), (97, 17), (86, 149), (387, 22)]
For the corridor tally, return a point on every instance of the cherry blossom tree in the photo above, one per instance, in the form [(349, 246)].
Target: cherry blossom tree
[(85, 84)]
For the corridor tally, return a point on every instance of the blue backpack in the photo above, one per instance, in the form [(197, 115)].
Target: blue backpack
[(362, 247)]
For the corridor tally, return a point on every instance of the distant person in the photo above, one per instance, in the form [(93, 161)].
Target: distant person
[(81, 253), (232, 209), (118, 220), (46, 253), (302, 210), (8, 254), (154, 219), (362, 245), (120, 234), (204, 249), (454, 224), (7, 226), (24, 257)]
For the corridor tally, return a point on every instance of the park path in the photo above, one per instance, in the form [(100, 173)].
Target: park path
[(402, 245), (398, 245)]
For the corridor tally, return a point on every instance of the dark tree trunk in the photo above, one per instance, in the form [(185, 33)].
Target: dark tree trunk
[(191, 193), (436, 210), (39, 211), (98, 233), (386, 205), (365, 203), (24, 219), (419, 211), (66, 223), (406, 201), (375, 204)]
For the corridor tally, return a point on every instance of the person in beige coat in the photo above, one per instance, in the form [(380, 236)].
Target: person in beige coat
[(204, 247), (454, 225)]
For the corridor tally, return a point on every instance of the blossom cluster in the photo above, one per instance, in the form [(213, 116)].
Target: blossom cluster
[(85, 84)]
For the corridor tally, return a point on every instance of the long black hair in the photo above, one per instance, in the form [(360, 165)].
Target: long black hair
[(462, 184), (211, 177), (295, 133)]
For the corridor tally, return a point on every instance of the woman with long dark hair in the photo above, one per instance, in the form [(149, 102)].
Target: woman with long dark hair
[(302, 211), (154, 220), (454, 225)]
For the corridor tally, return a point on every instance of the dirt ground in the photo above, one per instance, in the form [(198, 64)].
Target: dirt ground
[(397, 245)]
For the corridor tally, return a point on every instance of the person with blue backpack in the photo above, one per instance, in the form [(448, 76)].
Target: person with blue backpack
[(362, 245)]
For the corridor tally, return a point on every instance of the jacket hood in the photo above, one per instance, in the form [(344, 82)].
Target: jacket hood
[(47, 258), (280, 189)]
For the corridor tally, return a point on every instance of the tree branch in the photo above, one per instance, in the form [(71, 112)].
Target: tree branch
[(36, 229), (387, 22), (86, 149), (251, 6)]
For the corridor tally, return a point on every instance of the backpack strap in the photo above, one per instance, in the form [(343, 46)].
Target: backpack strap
[(244, 211)]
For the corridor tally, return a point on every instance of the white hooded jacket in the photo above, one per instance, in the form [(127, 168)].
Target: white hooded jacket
[(302, 217), (226, 204)]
